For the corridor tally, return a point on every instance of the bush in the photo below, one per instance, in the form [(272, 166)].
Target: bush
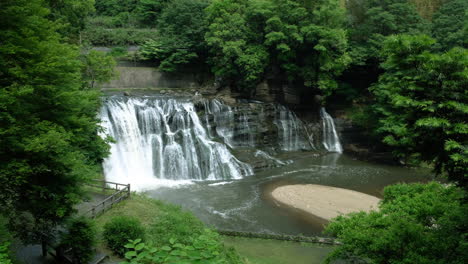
[(99, 36), (119, 230), (4, 253), (81, 239), (118, 52), (205, 248)]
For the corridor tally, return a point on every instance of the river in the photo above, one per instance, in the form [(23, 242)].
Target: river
[(222, 161)]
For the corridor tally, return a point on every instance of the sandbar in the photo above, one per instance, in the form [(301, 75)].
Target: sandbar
[(323, 201)]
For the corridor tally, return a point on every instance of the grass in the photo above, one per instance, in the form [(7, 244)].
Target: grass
[(266, 251), (164, 221), (161, 221), (139, 206)]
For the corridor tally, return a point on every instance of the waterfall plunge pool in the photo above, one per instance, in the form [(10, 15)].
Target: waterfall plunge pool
[(246, 205)]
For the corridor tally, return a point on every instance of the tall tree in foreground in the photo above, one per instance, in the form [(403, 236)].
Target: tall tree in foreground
[(422, 103), (416, 223), (48, 124)]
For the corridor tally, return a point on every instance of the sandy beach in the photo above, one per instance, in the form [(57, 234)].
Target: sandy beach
[(324, 201)]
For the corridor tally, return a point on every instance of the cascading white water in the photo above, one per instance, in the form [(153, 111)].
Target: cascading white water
[(232, 124), (164, 140), (331, 141), (292, 132), (161, 139), (266, 156)]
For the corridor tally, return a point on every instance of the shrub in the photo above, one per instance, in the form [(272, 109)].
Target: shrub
[(119, 230), (205, 248), (4, 253), (118, 52), (117, 36), (81, 239)]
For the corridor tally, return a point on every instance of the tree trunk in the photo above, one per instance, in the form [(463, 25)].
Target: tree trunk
[(44, 247)]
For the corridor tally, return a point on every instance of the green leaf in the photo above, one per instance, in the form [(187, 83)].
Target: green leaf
[(166, 248), (130, 254)]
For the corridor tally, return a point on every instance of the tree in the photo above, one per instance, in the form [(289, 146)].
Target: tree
[(98, 68), (80, 238), (148, 11), (303, 39), (237, 54), (182, 27), (115, 7), (421, 101), (71, 14), (309, 42), (416, 223), (373, 20), (448, 25), (48, 123)]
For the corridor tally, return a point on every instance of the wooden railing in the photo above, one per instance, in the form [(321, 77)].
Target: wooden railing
[(122, 191), (105, 185)]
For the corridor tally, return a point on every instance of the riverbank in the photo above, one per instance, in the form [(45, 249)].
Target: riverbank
[(322, 201)]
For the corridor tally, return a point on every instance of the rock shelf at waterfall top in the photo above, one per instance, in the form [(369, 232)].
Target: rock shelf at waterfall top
[(322, 201)]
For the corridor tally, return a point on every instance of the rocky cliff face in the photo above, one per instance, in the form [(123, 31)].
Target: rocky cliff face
[(356, 143)]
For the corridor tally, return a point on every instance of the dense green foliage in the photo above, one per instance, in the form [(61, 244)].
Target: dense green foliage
[(139, 13), (417, 105), (175, 224), (205, 248), (98, 68), (450, 24), (422, 103), (148, 11), (5, 241), (119, 230), (80, 238), (4, 256), (166, 225), (182, 29), (48, 123), (248, 39), (97, 35), (71, 14), (369, 23), (115, 7), (416, 223), (378, 19)]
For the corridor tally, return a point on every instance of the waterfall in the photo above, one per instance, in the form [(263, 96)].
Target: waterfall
[(266, 156), (168, 140), (331, 141), (161, 139), (232, 124), (292, 134)]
